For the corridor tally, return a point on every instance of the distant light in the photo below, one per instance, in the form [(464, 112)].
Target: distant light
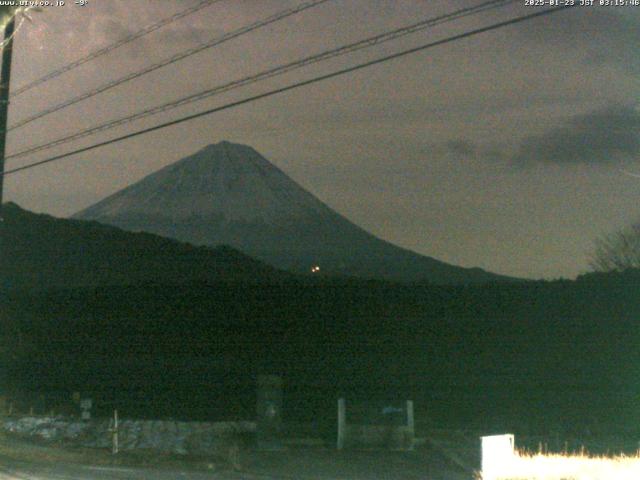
[(315, 269)]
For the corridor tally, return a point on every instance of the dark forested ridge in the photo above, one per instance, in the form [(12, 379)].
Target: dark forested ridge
[(538, 353), (41, 252), (186, 337)]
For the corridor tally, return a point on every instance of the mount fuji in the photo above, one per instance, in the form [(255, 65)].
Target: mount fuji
[(229, 194)]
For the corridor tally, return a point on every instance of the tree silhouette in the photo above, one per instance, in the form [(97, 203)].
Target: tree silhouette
[(617, 252)]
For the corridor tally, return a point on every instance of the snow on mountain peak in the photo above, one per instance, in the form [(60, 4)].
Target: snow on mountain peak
[(225, 179)]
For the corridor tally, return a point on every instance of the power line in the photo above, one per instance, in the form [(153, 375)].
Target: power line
[(173, 59), (272, 72), (109, 48), (293, 86)]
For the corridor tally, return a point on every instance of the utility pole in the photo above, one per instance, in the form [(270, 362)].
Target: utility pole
[(5, 77)]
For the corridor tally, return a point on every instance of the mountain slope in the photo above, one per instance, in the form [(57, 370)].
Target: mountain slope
[(229, 194), (39, 251)]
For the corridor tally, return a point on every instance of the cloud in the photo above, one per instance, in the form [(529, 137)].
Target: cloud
[(597, 36), (608, 135)]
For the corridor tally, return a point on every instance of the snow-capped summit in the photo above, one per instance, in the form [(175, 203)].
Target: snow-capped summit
[(226, 180), (228, 193)]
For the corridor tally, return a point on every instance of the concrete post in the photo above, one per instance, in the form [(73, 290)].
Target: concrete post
[(85, 406), (115, 448), (411, 426), (342, 423), (269, 412)]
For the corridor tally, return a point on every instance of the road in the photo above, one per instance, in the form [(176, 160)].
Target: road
[(288, 465), (16, 470)]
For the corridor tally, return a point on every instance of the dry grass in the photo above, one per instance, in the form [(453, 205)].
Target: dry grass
[(580, 466)]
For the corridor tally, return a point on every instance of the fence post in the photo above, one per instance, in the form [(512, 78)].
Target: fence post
[(342, 423), (114, 432), (411, 426)]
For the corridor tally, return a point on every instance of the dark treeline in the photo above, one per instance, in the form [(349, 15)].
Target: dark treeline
[(532, 356)]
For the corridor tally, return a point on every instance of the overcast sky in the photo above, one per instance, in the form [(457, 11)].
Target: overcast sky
[(506, 150)]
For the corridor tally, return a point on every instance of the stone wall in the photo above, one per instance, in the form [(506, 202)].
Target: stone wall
[(195, 438)]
